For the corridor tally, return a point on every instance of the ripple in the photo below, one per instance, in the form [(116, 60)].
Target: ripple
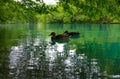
[(46, 61)]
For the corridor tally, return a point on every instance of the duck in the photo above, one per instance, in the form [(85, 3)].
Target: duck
[(59, 38), (71, 33)]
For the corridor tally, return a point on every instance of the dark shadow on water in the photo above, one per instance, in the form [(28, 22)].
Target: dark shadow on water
[(53, 41), (75, 37)]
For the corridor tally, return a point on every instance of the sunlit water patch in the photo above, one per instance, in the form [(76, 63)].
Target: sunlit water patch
[(38, 59)]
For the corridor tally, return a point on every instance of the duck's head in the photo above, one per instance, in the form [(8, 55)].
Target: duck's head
[(52, 34), (66, 32)]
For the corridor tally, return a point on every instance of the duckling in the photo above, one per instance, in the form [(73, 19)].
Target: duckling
[(72, 33)]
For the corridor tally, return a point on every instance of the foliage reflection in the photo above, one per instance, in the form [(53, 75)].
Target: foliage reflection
[(34, 58)]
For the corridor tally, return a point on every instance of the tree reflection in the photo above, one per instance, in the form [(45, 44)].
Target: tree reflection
[(35, 58)]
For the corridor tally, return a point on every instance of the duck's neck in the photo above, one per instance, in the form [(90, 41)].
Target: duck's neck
[(54, 35)]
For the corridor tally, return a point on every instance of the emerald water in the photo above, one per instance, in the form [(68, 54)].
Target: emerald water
[(27, 52)]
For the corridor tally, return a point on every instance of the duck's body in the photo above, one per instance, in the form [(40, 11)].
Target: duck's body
[(61, 38), (72, 33)]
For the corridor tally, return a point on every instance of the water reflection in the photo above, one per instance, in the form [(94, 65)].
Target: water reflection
[(54, 41), (38, 59), (33, 56)]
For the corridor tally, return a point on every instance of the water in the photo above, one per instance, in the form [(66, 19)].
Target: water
[(27, 52)]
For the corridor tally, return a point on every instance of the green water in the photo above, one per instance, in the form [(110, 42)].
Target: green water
[(26, 51)]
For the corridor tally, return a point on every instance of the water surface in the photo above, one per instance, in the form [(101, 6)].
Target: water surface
[(28, 53)]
